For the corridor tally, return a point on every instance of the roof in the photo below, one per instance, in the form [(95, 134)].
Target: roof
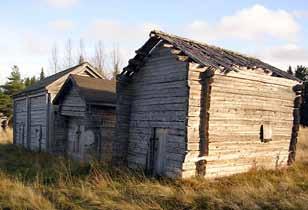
[(52, 78), (204, 54), (92, 90)]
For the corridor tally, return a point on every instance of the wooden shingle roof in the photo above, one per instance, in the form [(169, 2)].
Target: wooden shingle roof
[(92, 90), (204, 54)]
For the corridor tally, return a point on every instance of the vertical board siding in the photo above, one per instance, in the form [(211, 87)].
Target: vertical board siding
[(158, 99), (95, 123), (99, 125), (20, 121), (38, 120), (59, 130)]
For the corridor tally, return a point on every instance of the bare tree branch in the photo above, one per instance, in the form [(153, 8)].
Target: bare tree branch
[(82, 53), (68, 62), (116, 61), (54, 62), (100, 58)]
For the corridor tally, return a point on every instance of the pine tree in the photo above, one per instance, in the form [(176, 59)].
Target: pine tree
[(33, 80), (14, 83), (290, 70), (27, 82), (42, 74), (10, 88), (6, 105), (301, 72)]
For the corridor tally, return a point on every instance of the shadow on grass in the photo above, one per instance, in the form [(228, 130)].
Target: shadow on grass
[(29, 166)]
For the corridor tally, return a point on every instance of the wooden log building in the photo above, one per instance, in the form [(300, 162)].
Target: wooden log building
[(186, 108), (37, 122), (88, 106)]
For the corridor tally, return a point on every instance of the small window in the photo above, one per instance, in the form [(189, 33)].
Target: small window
[(266, 132)]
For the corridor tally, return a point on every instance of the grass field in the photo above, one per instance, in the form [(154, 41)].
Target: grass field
[(38, 181)]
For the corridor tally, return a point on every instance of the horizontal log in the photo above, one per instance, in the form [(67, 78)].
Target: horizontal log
[(257, 77)]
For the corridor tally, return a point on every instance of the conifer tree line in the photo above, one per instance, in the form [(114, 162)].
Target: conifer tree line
[(300, 72)]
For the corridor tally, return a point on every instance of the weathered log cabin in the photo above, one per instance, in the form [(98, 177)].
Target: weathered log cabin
[(186, 109), (37, 123), (88, 106)]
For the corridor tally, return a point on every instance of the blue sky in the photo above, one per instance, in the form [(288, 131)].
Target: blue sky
[(274, 31)]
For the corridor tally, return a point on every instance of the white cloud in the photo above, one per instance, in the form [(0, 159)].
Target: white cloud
[(256, 23), (62, 3), (118, 32), (61, 25), (285, 55)]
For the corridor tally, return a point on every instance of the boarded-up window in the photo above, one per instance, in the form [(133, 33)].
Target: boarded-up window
[(266, 132)]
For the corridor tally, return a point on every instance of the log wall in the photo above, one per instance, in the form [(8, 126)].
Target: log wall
[(156, 97), (120, 143), (239, 104)]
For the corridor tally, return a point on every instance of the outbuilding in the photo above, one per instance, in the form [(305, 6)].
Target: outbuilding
[(37, 123), (88, 106), (186, 108)]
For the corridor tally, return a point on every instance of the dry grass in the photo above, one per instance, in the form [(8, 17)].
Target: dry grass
[(39, 181), (6, 136), (302, 151)]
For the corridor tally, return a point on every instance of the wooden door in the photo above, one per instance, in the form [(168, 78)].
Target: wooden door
[(160, 151), (20, 134), (105, 146), (73, 140), (87, 145)]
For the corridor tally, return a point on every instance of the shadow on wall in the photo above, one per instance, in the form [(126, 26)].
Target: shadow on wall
[(6, 135)]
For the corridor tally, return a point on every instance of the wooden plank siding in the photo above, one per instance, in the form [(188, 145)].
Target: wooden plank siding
[(73, 104), (20, 121), (30, 124), (87, 130), (240, 103), (35, 115), (38, 122), (91, 136), (225, 112), (156, 98)]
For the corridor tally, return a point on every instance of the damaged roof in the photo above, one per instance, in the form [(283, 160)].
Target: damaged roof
[(92, 90), (204, 54)]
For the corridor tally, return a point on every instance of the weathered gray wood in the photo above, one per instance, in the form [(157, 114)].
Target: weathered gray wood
[(157, 97), (38, 122), (214, 117), (33, 109)]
